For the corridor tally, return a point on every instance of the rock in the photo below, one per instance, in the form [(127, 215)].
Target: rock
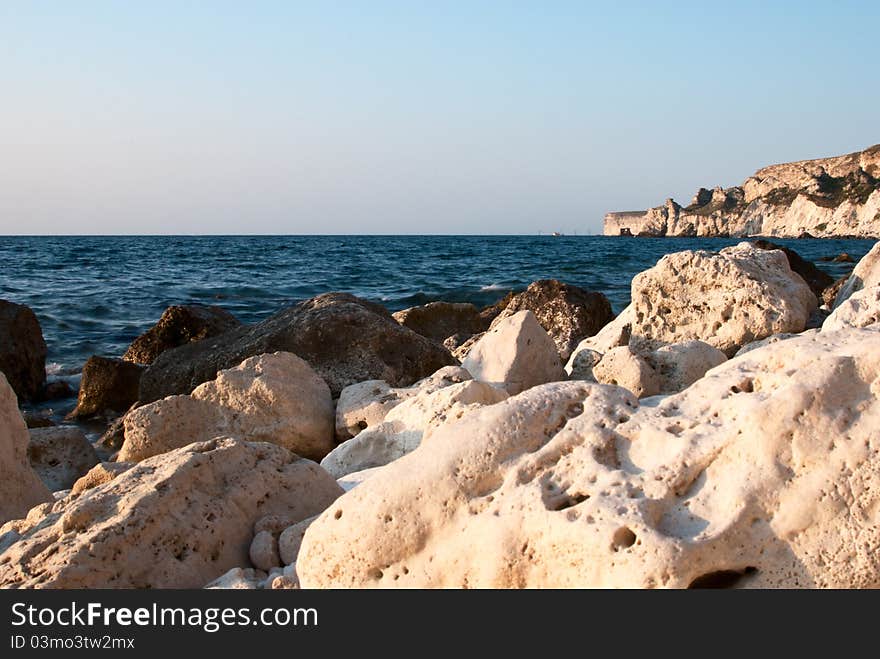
[(829, 295), (815, 278), (351, 481), (239, 579), (407, 425), (57, 390), (615, 334), (516, 353), (439, 320), (860, 309), (33, 420), (274, 398), (365, 404), (114, 436), (621, 366), (60, 455), (490, 313), (728, 299), (290, 540), (582, 362), (679, 365), (864, 275), (567, 313), (178, 520), (20, 487), (264, 551), (107, 385), (843, 258), (101, 473), (178, 326), (770, 340), (461, 349), (22, 350), (767, 474), (343, 338)]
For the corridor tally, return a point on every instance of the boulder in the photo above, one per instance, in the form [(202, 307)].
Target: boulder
[(407, 425), (101, 473), (829, 295), (20, 487), (55, 390), (621, 366), (60, 455), (179, 325), (22, 350), (178, 520), (239, 578), (490, 313), (864, 275), (767, 474), (290, 540), (108, 385), (264, 551), (679, 365), (343, 338), (37, 420), (581, 364), (567, 313), (439, 320), (728, 299), (274, 398), (365, 404), (818, 280), (517, 353), (460, 346), (351, 481), (860, 309)]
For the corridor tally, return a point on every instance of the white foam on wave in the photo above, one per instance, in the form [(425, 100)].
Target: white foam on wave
[(492, 287), (54, 368)]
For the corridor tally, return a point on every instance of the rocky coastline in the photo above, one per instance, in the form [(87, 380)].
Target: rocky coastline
[(721, 431), (828, 197)]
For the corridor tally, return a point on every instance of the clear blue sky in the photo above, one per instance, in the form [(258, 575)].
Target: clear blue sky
[(412, 117)]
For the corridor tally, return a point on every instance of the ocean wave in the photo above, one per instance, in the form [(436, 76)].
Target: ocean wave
[(493, 287)]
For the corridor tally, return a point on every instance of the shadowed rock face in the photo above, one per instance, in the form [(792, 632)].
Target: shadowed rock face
[(179, 325), (440, 320), (178, 520), (22, 350), (343, 338), (567, 313), (816, 279), (107, 384), (766, 474)]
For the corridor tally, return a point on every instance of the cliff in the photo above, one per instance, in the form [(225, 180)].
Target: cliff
[(827, 197)]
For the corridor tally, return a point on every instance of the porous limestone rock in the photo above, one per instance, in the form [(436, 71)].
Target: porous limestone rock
[(177, 520), (728, 299), (818, 280), (20, 487), (567, 313), (621, 366), (107, 385), (239, 578), (865, 275), (439, 320), (264, 551), (365, 404), (290, 540), (22, 350), (101, 473), (860, 309), (352, 480), (60, 455), (179, 325), (275, 398), (407, 425), (767, 474), (615, 334), (581, 364), (343, 338), (516, 353), (679, 365)]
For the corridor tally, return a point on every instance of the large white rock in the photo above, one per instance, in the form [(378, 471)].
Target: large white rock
[(176, 520), (20, 487), (860, 309), (865, 275), (407, 425), (275, 398), (60, 455), (365, 404), (728, 299), (765, 474), (516, 353)]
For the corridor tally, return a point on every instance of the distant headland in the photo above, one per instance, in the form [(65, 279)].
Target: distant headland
[(824, 198)]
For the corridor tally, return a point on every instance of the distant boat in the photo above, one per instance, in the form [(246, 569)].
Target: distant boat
[(557, 234)]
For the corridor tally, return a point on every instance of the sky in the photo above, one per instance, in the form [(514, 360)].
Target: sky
[(434, 117)]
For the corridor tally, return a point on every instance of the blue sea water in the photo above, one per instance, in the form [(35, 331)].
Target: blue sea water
[(94, 295)]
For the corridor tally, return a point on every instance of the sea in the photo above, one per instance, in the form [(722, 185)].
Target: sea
[(94, 295)]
